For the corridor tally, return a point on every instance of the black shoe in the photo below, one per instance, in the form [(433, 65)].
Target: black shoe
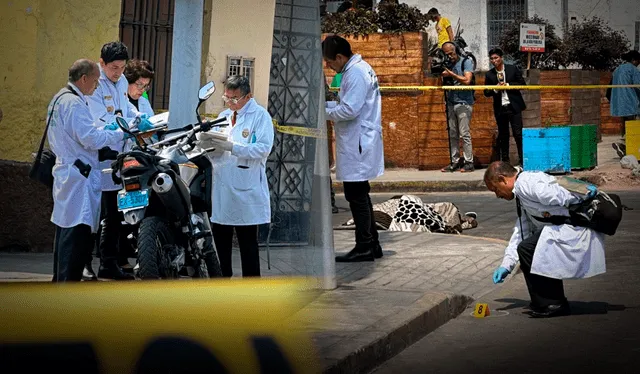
[(377, 252), (356, 255), (451, 168), (334, 209), (620, 149), (88, 274), (467, 167), (114, 272), (555, 310)]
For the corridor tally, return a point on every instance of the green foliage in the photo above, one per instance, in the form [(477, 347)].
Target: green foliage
[(594, 45), (553, 56), (354, 22), (397, 18), (388, 18)]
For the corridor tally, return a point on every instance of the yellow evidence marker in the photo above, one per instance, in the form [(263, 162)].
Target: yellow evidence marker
[(482, 310)]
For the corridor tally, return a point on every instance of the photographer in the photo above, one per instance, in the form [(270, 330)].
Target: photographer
[(459, 105)]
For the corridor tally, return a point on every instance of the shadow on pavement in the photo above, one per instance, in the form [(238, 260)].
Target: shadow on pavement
[(577, 307)]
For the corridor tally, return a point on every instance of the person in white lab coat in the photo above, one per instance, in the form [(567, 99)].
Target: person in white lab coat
[(139, 74), (240, 190), (108, 101), (359, 150), (75, 140), (547, 253)]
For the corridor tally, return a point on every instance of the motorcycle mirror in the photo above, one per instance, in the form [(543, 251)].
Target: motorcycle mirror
[(206, 91), (122, 123)]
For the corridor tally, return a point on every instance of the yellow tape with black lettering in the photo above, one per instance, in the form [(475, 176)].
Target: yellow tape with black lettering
[(300, 131), (234, 326), (483, 87)]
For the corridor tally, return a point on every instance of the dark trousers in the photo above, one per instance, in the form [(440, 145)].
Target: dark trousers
[(333, 193), (249, 252), (357, 194), (505, 116), (70, 248), (110, 233), (544, 291)]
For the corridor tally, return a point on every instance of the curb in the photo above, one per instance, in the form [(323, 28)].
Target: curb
[(421, 186), (416, 324)]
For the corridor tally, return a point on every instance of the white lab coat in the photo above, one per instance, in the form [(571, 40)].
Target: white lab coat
[(72, 135), (240, 188), (104, 102), (359, 150), (144, 106), (563, 251)]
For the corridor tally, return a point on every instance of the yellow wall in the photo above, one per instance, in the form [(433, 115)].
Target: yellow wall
[(40, 40), (238, 28)]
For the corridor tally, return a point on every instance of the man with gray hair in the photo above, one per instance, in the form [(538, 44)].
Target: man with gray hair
[(75, 140), (548, 252), (241, 199)]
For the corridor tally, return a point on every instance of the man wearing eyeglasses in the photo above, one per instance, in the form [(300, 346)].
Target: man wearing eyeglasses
[(240, 191)]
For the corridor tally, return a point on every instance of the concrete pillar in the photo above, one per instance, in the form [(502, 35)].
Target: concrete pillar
[(186, 59)]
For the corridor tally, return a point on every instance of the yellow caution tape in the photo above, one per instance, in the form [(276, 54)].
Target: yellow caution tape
[(300, 131), (233, 326), (479, 88)]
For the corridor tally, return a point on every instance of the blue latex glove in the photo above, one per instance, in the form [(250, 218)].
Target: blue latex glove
[(500, 274), (144, 116), (111, 127), (145, 124), (593, 190)]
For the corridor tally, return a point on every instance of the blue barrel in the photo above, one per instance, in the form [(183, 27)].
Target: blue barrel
[(547, 149)]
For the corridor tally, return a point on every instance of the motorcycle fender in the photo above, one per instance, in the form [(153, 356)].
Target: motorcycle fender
[(134, 216)]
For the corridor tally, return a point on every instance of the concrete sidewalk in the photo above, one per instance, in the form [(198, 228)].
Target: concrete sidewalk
[(379, 308), (414, 180)]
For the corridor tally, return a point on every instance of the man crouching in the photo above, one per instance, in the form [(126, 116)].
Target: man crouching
[(547, 253)]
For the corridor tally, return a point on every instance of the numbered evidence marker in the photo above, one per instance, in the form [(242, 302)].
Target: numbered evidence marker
[(481, 311), (215, 326)]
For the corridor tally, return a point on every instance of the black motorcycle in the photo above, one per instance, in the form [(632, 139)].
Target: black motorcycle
[(167, 191)]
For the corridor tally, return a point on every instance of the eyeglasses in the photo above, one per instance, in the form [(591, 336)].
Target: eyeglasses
[(233, 100), (142, 86)]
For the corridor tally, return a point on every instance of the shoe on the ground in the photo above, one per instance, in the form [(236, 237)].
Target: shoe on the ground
[(473, 215), (356, 255), (334, 209), (555, 310), (114, 272), (377, 252), (467, 167), (620, 149), (451, 168), (127, 268), (88, 274)]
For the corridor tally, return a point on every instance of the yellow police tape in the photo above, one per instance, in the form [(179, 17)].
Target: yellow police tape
[(320, 133), (232, 326)]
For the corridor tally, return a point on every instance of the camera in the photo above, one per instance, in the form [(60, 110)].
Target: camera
[(440, 61)]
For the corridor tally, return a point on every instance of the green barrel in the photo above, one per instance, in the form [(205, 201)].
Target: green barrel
[(584, 146)]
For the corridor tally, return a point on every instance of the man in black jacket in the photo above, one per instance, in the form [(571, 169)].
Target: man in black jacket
[(507, 104)]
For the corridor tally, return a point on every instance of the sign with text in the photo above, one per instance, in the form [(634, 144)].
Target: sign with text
[(531, 37)]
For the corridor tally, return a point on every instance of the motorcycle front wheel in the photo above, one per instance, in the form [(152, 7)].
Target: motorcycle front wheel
[(154, 239), (211, 259)]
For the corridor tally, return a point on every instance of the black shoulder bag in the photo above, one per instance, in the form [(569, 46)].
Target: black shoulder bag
[(42, 167)]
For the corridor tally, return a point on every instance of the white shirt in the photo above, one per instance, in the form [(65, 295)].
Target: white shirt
[(505, 97), (73, 136), (240, 188), (357, 118), (563, 251)]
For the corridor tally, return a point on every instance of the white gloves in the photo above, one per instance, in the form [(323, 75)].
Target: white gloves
[(222, 144)]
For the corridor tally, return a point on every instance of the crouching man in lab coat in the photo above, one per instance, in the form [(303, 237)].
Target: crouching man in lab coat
[(547, 253), (359, 150), (75, 140), (240, 191)]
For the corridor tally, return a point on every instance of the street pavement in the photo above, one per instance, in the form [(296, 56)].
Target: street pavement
[(601, 335)]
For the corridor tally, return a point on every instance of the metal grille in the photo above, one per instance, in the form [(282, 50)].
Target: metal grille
[(146, 28), (294, 96), (501, 13), (238, 65)]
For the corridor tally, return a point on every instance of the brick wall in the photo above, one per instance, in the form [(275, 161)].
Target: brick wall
[(608, 125)]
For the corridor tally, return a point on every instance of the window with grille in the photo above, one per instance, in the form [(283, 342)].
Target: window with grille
[(501, 13), (238, 65), (637, 42)]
